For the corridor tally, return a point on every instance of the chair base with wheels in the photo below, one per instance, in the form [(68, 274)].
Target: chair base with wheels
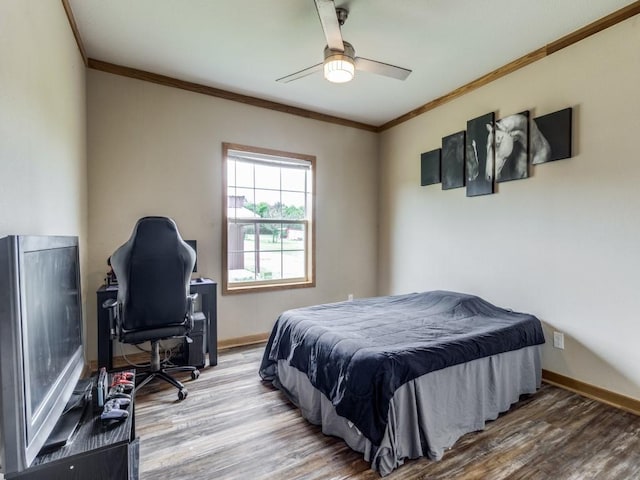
[(157, 371)]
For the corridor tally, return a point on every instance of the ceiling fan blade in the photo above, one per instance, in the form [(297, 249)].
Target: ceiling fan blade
[(300, 74), (380, 68), (330, 25)]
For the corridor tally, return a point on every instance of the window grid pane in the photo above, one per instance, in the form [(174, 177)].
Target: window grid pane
[(269, 207), (277, 252)]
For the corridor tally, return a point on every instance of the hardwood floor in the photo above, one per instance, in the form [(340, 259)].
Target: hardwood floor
[(234, 426)]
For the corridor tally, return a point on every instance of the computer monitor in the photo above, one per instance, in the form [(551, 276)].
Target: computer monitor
[(194, 244)]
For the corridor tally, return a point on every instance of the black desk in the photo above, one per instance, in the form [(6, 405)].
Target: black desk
[(206, 290)]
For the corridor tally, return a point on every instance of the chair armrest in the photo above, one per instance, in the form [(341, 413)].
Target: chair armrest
[(191, 303), (191, 309), (111, 304)]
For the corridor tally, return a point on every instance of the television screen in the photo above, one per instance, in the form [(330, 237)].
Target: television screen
[(52, 317)]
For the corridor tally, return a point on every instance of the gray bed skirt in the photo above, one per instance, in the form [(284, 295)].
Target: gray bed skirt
[(426, 415)]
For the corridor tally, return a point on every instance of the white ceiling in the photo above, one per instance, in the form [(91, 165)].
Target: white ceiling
[(243, 46)]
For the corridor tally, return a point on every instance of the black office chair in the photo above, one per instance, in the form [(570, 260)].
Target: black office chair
[(153, 269)]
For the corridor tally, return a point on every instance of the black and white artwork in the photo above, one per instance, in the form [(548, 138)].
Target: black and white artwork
[(430, 167), (551, 137), (479, 158), (511, 147), (453, 160)]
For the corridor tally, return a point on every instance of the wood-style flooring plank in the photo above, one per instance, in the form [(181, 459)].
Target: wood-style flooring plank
[(234, 426)]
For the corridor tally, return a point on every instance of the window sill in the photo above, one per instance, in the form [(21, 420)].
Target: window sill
[(235, 289)]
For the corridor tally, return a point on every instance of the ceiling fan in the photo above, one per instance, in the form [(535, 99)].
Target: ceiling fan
[(340, 61)]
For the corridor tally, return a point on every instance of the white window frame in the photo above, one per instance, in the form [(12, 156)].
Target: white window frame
[(263, 155)]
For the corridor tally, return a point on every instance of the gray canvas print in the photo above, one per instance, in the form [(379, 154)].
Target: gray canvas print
[(511, 147)]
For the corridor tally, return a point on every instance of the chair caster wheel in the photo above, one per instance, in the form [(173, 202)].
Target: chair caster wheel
[(195, 374), (182, 394)]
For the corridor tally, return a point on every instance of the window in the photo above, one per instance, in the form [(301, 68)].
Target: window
[(268, 210)]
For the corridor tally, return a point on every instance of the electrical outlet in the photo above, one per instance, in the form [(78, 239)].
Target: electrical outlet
[(350, 297), (558, 340)]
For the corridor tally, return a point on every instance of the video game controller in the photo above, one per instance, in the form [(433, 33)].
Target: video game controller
[(127, 385), (112, 411), (123, 376), (118, 392), (122, 380), (121, 403), (123, 395)]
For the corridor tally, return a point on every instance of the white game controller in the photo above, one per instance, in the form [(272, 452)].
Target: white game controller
[(112, 410)]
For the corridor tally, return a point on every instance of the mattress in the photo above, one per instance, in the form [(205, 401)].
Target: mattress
[(359, 353)]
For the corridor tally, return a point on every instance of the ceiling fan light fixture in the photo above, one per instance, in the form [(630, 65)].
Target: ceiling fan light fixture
[(339, 67), (339, 70)]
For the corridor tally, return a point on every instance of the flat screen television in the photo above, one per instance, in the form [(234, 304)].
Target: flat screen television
[(41, 341)]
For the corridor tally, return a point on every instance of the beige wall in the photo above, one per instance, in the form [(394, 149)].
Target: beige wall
[(43, 177), (157, 150), (42, 122), (562, 244)]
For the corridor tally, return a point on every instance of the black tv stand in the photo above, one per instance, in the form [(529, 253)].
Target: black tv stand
[(95, 450)]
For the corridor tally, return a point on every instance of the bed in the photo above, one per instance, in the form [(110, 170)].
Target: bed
[(404, 376)]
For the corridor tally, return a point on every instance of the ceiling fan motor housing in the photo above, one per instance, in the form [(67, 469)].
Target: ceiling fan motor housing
[(349, 52)]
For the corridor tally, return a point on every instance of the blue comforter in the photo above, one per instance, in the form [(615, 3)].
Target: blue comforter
[(358, 353)]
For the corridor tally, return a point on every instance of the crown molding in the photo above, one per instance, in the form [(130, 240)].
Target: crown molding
[(543, 52), (74, 29), (553, 47)]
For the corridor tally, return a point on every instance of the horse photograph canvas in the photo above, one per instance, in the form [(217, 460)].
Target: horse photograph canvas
[(453, 160), (480, 155), (555, 132), (511, 147)]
